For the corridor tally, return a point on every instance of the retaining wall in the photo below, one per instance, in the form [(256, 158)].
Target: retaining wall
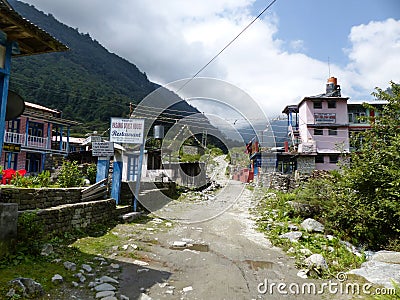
[(77, 215), (33, 198)]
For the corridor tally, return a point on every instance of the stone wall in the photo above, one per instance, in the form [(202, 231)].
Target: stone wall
[(79, 215), (305, 164), (58, 209), (284, 182), (32, 198), (8, 227)]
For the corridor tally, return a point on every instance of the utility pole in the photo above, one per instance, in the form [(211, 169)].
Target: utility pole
[(204, 139)]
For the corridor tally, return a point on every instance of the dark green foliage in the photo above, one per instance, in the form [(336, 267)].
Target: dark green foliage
[(361, 203), (367, 196), (91, 172), (70, 175), (30, 234)]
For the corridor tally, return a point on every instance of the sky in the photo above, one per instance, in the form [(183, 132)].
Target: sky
[(284, 56)]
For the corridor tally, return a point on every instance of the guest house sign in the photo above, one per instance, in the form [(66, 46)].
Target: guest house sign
[(129, 131)]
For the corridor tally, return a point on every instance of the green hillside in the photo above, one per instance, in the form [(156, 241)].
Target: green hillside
[(88, 83)]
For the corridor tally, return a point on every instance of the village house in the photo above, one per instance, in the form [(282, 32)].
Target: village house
[(319, 130), (35, 137)]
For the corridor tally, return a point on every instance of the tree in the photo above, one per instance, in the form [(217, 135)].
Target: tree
[(368, 194)]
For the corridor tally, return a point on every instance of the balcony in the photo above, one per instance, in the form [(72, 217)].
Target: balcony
[(34, 142)]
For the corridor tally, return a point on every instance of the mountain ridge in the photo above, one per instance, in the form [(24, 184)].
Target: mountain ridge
[(87, 83)]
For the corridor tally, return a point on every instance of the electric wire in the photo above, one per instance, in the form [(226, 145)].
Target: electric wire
[(226, 46)]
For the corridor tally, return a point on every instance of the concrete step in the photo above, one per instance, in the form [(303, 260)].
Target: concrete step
[(123, 209)]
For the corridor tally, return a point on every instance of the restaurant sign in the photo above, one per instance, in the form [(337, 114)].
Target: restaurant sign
[(129, 131)]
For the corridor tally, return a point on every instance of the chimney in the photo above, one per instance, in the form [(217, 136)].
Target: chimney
[(332, 88)]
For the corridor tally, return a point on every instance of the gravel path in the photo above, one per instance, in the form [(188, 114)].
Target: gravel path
[(213, 252)]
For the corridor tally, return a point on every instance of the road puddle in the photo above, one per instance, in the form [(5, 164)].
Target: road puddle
[(194, 247), (259, 264)]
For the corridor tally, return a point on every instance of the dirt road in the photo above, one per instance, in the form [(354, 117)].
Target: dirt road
[(212, 252)]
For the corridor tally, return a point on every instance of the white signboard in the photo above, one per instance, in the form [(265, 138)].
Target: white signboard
[(103, 149), (325, 118), (129, 131), (92, 139)]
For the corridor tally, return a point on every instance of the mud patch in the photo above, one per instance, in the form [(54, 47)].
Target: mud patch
[(195, 247), (259, 264)]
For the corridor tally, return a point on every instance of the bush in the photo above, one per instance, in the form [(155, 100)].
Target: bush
[(41, 180), (70, 175), (90, 171)]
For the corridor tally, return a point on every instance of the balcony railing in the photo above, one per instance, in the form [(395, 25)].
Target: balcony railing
[(33, 141)]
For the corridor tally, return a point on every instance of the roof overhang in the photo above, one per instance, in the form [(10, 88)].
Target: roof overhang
[(29, 37)]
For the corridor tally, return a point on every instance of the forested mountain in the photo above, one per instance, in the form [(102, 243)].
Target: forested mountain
[(88, 83)]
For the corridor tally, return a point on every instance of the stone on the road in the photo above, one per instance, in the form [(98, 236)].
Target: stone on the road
[(187, 289), (115, 266), (181, 244), (104, 287), (108, 279), (143, 296), (140, 263), (104, 294)]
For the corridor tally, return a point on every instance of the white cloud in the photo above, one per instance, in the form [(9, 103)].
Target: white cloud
[(173, 39), (375, 54)]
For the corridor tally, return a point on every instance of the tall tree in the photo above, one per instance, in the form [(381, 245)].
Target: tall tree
[(368, 196)]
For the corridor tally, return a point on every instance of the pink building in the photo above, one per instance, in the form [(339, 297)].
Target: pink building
[(319, 129)]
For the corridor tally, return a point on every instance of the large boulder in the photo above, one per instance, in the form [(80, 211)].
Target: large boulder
[(26, 287), (312, 225)]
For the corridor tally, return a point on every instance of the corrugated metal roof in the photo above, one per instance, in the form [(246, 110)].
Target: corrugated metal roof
[(43, 108), (30, 38)]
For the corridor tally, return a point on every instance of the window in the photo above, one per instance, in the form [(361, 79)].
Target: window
[(357, 116), (318, 131), (35, 129), (331, 104), (13, 126), (319, 159), (32, 163), (332, 131), (11, 160), (333, 159), (317, 104)]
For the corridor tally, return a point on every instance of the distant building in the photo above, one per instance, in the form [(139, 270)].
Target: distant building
[(37, 135), (319, 130)]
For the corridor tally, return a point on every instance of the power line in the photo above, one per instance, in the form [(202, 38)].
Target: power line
[(227, 45)]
